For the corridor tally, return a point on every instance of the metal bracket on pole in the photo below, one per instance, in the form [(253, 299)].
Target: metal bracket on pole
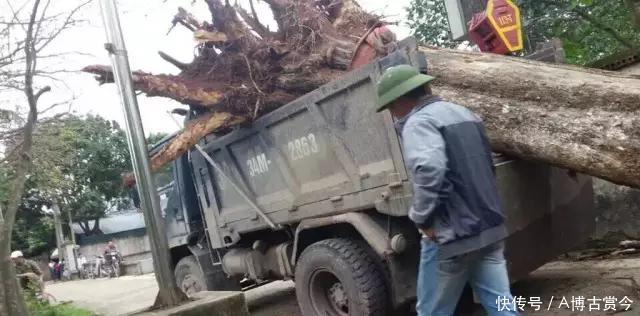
[(249, 200)]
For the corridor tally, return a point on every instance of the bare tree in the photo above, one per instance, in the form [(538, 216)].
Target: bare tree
[(23, 45)]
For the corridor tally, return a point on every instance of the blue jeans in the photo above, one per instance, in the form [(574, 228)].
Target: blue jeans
[(441, 281)]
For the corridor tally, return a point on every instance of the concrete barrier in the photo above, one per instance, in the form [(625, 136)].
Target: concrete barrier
[(218, 303), (138, 267)]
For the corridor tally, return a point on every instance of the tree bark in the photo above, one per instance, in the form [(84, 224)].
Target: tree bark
[(580, 119), (193, 132), (11, 299), (96, 230), (634, 6)]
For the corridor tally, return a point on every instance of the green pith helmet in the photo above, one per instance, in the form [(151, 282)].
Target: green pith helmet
[(398, 81)]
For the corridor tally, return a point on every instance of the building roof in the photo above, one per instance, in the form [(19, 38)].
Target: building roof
[(129, 220)]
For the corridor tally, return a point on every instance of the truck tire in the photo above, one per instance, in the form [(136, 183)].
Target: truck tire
[(337, 277), (189, 276)]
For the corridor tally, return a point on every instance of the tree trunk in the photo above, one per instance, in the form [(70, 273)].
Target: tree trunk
[(96, 230), (194, 130), (634, 6), (580, 119), (11, 301)]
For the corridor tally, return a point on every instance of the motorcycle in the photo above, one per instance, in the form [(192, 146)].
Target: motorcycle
[(112, 264)]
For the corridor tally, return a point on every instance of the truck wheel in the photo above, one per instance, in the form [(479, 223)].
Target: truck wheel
[(189, 276), (339, 277)]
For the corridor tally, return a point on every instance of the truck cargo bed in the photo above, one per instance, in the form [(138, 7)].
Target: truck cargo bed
[(326, 152)]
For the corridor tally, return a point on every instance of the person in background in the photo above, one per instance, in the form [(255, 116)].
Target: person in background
[(56, 268), (455, 206), (52, 266), (62, 271), (27, 271), (81, 259), (110, 247)]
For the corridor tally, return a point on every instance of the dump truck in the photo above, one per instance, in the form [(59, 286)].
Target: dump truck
[(317, 192)]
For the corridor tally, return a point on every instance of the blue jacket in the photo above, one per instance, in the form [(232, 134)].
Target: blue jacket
[(448, 157)]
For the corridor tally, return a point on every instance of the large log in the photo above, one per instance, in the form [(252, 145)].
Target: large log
[(581, 119), (575, 118)]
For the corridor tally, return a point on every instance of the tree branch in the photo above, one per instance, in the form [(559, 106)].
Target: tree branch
[(186, 19), (253, 23), (173, 87), (606, 28), (41, 92), (68, 22), (595, 22), (192, 133), (180, 65), (21, 167), (13, 133)]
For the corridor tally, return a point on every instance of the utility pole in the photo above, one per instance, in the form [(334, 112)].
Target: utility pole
[(73, 235), (169, 294), (57, 223), (74, 251)]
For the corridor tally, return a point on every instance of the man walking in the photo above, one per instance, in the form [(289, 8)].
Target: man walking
[(28, 272), (455, 199)]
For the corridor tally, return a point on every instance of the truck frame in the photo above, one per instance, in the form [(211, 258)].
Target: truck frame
[(317, 192)]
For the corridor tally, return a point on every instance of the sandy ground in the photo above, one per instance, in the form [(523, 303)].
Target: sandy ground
[(592, 280)]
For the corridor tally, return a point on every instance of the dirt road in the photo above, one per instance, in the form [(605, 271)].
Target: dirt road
[(595, 285)]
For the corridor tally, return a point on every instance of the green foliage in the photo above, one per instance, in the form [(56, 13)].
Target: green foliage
[(34, 233), (40, 307), (78, 162), (428, 20), (155, 138), (87, 205), (95, 156), (589, 29), (99, 156), (5, 181)]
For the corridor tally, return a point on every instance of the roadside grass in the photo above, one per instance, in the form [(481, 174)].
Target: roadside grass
[(39, 307)]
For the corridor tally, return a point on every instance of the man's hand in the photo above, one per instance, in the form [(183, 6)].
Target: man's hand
[(429, 233)]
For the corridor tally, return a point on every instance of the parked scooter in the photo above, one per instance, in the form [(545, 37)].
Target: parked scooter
[(112, 264)]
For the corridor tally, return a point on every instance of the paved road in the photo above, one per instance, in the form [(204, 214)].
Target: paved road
[(130, 294), (120, 296), (616, 278)]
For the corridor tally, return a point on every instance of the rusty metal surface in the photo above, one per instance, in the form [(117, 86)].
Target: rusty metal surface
[(566, 221), (376, 236)]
